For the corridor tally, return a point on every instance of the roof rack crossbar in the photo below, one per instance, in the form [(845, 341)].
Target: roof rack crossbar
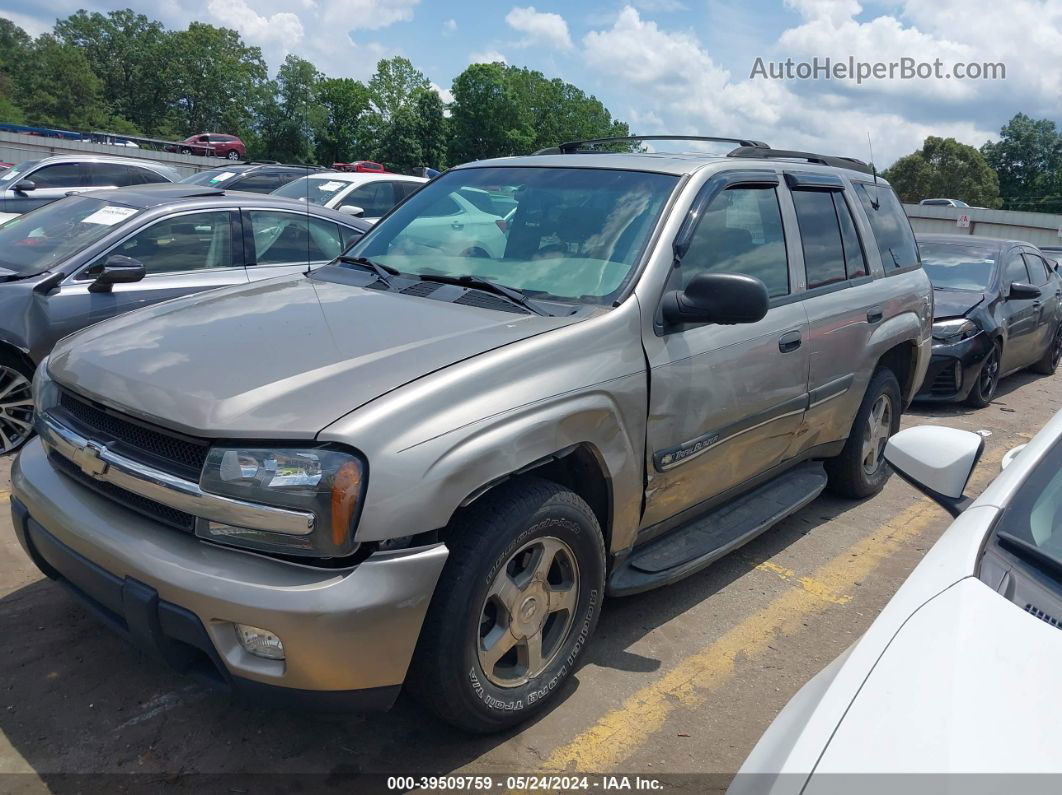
[(764, 153), (570, 147)]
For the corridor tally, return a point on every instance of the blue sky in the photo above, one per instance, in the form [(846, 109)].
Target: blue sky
[(681, 66)]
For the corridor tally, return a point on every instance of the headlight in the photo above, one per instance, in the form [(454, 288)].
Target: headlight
[(45, 393), (322, 481), (951, 331)]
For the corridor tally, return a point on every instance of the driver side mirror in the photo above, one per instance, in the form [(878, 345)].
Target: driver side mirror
[(724, 298), (25, 186), (937, 461), (352, 209), (1023, 292), (117, 269)]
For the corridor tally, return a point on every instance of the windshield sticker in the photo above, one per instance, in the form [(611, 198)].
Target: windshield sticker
[(224, 175), (109, 215), (330, 186)]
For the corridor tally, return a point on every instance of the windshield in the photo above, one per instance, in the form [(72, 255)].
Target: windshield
[(958, 267), (16, 170), (34, 242), (568, 233), (215, 176), (316, 190), (1034, 516)]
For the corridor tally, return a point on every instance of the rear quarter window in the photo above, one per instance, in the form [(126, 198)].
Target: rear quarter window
[(892, 230)]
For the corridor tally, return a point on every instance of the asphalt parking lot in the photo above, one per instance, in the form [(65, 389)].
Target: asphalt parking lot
[(678, 681)]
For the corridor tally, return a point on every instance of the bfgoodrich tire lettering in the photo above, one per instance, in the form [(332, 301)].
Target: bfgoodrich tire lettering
[(501, 534)]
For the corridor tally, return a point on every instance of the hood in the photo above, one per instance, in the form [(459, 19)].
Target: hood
[(968, 685), (954, 303), (276, 359)]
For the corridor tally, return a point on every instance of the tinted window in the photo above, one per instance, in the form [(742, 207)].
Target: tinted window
[(60, 175), (290, 237), (741, 232), (1037, 269), (1016, 270), (183, 243), (1034, 516), (892, 230), (316, 190), (375, 199), (260, 182), (820, 235), (854, 259), (144, 176), (955, 266)]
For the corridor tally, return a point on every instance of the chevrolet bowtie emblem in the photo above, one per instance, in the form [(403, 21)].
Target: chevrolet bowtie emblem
[(90, 459)]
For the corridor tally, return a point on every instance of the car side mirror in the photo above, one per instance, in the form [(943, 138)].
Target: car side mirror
[(117, 269), (25, 186), (724, 298), (352, 209), (1023, 292), (937, 461)]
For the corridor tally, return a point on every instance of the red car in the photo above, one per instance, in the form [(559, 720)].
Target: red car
[(214, 144), (361, 166)]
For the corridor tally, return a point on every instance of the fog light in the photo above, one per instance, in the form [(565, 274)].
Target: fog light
[(260, 642)]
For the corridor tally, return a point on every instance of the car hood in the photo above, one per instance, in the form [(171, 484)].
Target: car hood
[(276, 359), (968, 685), (954, 303)]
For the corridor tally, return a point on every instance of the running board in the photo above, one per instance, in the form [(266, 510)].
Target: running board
[(693, 546)]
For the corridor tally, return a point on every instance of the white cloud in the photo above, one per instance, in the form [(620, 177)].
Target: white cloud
[(539, 27), (487, 56), (661, 6), (444, 93), (367, 14), (280, 31), (449, 26), (34, 26)]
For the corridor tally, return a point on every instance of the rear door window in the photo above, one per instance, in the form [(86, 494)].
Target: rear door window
[(820, 236), (892, 230)]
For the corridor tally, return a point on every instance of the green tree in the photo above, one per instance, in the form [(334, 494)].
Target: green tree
[(219, 83), (485, 116), (398, 146), (343, 102), (394, 85), (128, 52), (429, 114), (1028, 159), (60, 89), (14, 49), (944, 167), (290, 113)]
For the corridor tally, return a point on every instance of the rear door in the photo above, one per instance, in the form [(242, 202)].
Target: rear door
[(841, 301), (1022, 315), (726, 401), (279, 242), (1047, 319)]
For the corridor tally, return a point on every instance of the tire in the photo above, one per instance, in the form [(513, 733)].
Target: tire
[(16, 404), (496, 558), (1049, 361), (984, 388), (233, 155), (851, 473)]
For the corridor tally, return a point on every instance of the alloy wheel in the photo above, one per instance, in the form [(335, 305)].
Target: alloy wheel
[(528, 612), (16, 409), (989, 377), (876, 434), (1056, 351)]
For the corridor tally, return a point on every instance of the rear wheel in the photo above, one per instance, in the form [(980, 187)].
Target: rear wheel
[(1049, 361), (233, 155), (16, 403), (517, 601), (984, 389), (860, 470)]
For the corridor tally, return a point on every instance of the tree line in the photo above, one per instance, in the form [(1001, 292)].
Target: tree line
[(1020, 171), (123, 72)]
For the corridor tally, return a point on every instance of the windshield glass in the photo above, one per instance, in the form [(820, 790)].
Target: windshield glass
[(1035, 514), (215, 176), (568, 233), (316, 190), (34, 242), (17, 170), (958, 267)]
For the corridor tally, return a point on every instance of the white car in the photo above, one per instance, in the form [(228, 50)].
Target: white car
[(956, 684), (361, 194)]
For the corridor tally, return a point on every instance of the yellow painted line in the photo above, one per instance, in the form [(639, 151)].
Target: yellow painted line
[(809, 584), (619, 733), (4, 495)]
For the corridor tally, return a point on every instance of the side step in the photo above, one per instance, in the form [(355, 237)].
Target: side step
[(693, 546)]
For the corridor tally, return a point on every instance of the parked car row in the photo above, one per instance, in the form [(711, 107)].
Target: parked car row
[(473, 419)]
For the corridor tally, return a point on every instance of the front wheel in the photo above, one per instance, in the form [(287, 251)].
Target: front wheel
[(861, 470), (513, 609), (1049, 361), (233, 155), (984, 388)]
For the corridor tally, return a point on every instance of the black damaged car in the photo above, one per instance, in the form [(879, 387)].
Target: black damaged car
[(997, 309)]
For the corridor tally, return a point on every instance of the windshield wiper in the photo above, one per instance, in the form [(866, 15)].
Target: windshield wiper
[(486, 285), (383, 272), (1031, 553)]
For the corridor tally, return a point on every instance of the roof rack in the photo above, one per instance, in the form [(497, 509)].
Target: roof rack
[(571, 147), (765, 153)]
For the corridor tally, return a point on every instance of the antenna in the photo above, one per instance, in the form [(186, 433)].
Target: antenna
[(876, 203)]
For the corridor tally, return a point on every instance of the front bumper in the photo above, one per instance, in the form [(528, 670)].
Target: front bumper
[(953, 369), (348, 635)]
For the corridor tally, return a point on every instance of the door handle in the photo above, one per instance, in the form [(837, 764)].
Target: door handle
[(875, 314), (457, 226), (789, 342)]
